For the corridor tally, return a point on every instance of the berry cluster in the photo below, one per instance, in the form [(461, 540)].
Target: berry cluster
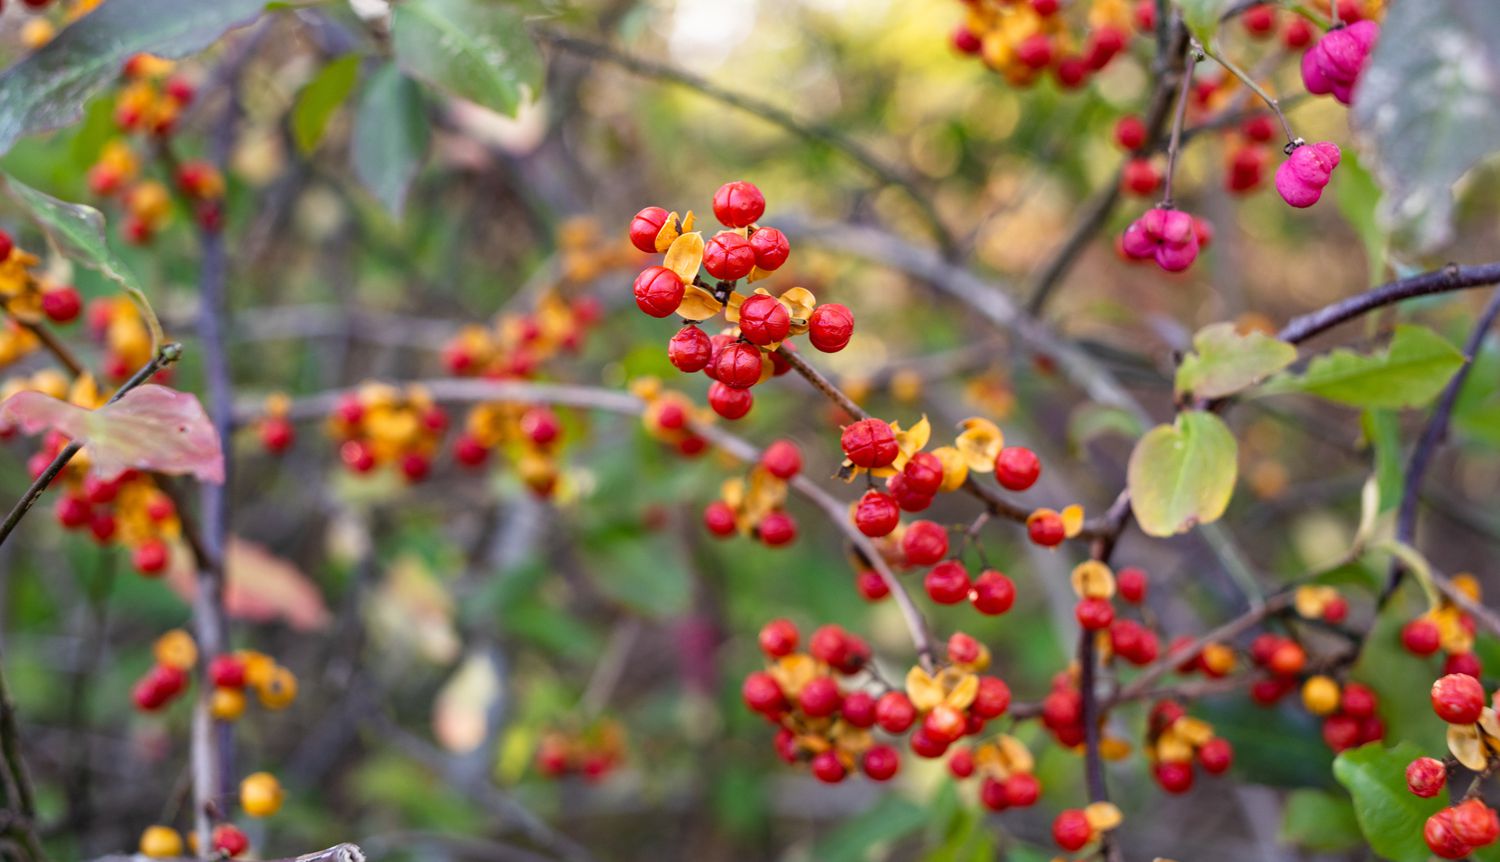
[(1176, 740), (516, 346), (380, 425), (1024, 39), (746, 353), (1474, 741), (29, 297), (261, 795), (1447, 628), (115, 322), (593, 752), (754, 505), (149, 104), (230, 675)]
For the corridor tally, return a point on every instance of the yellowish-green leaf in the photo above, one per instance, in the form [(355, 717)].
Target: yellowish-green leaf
[(1182, 475), (1224, 361), (1410, 372)]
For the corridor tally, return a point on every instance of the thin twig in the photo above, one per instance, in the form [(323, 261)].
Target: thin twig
[(1450, 278), (1185, 93)]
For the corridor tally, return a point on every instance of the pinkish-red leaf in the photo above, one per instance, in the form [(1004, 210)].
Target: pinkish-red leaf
[(150, 428), (261, 587)]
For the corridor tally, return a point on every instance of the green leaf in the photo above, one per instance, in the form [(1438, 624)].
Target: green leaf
[(1319, 821), (77, 231), (1382, 428), (1427, 110), (642, 571), (1393, 672), (390, 136), (48, 89), (1202, 17), (1409, 373), (1224, 361), (320, 98), (1390, 816), (473, 49), (1182, 475), (1358, 199)]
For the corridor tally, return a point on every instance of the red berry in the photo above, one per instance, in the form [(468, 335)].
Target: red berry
[(729, 403), (877, 514), (1130, 132), (992, 699), (1442, 838), (1175, 777), (778, 638), (858, 709), (1141, 177), (770, 247), (1260, 128), (6, 245), (894, 712), (1426, 777), (763, 694), (1145, 15), (415, 466), (924, 744), (150, 557), (1017, 468), (923, 474), (1035, 51), (994, 593), (872, 587), (728, 257), (1022, 790), (1475, 823), (73, 512), (277, 434), (1463, 662), (1458, 698), (963, 648), (690, 349), (738, 204), (947, 583), (1216, 756), (1071, 830), (764, 320), (1421, 637), (830, 327), (658, 291), (881, 762), (229, 840), (1045, 8), (1072, 71), (777, 529), (719, 518), (227, 671), (1046, 529), (739, 366), (992, 794), (1288, 659), (1260, 21), (827, 768), (645, 226), (1094, 614), (1357, 700), (782, 459), (61, 304), (541, 426), (924, 543), (869, 443), (907, 498), (1101, 47), (469, 452), (819, 697), (944, 724), (103, 527), (1131, 585), (1341, 732), (1298, 33), (966, 41)]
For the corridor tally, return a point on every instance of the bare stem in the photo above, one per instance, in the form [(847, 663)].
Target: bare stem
[(1184, 93)]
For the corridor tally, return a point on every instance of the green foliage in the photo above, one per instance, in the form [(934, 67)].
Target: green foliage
[(1358, 198), (1182, 475), (887, 820), (1224, 361), (1410, 372), (1320, 821), (48, 89), (390, 136), (317, 102), (472, 49), (1202, 17), (1428, 109), (1382, 428), (1390, 816)]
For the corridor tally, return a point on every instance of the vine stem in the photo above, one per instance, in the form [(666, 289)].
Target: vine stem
[(1184, 93), (1257, 89), (168, 354)]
